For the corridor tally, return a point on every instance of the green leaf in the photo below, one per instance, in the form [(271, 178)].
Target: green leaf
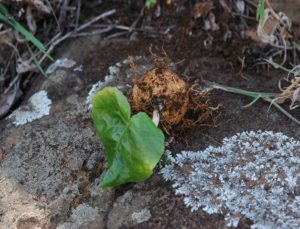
[(40, 68), (150, 3), (133, 145), (260, 11), (296, 45)]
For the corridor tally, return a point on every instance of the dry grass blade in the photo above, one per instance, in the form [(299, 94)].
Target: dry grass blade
[(292, 91), (74, 33)]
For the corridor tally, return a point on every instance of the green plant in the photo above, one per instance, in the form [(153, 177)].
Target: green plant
[(10, 21), (260, 11), (38, 65), (133, 145), (296, 46), (7, 19), (269, 97), (150, 3)]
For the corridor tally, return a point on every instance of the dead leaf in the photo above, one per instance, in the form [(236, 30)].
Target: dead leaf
[(39, 5), (281, 100), (295, 98), (24, 66)]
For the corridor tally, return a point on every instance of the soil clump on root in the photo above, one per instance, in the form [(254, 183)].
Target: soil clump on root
[(161, 89)]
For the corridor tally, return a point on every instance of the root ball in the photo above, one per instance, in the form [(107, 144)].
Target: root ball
[(162, 89)]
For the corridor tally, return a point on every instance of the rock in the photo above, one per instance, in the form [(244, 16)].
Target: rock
[(49, 168), (131, 203), (42, 184), (84, 216), (18, 208)]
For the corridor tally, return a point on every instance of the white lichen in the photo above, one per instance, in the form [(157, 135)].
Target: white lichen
[(60, 63), (141, 216), (120, 74), (253, 174), (97, 87), (37, 106)]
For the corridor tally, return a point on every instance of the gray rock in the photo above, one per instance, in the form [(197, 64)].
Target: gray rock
[(48, 177), (42, 183), (83, 217), (131, 203)]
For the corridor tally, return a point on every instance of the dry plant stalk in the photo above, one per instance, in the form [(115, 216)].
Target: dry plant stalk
[(275, 30), (292, 92)]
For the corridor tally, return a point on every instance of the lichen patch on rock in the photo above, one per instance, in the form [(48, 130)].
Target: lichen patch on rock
[(141, 216), (60, 63), (119, 75), (38, 106), (253, 174)]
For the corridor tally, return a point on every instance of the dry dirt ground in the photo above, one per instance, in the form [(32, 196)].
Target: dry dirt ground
[(50, 168)]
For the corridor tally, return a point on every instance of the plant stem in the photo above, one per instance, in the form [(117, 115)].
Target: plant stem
[(155, 117)]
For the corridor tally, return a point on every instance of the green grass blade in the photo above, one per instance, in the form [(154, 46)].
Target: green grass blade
[(269, 97), (296, 45), (4, 16), (253, 101), (3, 10), (295, 71), (282, 110), (36, 62), (275, 65), (260, 11), (240, 91), (40, 68), (150, 3)]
